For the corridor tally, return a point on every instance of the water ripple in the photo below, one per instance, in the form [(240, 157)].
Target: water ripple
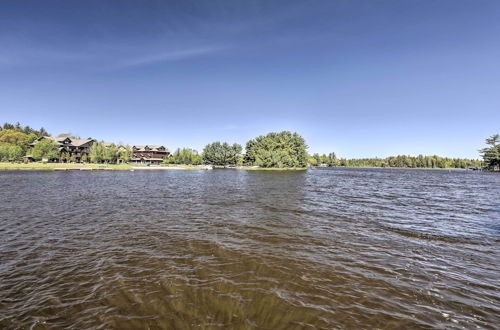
[(322, 249)]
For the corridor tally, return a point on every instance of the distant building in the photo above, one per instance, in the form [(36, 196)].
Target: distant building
[(149, 154), (69, 149)]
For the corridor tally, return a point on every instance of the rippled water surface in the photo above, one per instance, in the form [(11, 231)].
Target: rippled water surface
[(322, 249)]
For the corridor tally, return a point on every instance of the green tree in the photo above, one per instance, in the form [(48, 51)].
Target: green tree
[(10, 152), (332, 159), (14, 137), (491, 155), (125, 153), (184, 156), (317, 157), (110, 153), (222, 154), (4, 152), (42, 132), (412, 162), (97, 152), (8, 126), (64, 157), (45, 149), (312, 161), (27, 130), (283, 149)]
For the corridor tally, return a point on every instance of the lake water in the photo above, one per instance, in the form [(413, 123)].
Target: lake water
[(228, 249)]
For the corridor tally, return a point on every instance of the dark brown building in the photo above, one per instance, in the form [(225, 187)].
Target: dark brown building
[(69, 149), (149, 154)]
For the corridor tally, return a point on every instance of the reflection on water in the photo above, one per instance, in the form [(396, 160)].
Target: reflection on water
[(332, 248)]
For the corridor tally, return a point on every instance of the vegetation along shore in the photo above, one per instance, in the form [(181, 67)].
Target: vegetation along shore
[(25, 148)]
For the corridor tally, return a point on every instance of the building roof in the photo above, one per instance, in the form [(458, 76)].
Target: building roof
[(80, 142), (61, 140), (142, 158), (150, 148)]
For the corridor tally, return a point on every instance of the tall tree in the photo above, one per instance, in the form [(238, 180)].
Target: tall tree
[(26, 129), (184, 156), (332, 159), (283, 149), (45, 149), (110, 153), (222, 154), (491, 155), (125, 153), (97, 152), (15, 137)]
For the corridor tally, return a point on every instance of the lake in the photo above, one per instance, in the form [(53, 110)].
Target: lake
[(230, 249)]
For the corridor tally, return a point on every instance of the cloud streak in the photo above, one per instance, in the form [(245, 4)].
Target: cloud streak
[(167, 57)]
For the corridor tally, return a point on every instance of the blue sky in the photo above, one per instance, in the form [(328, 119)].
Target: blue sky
[(361, 78)]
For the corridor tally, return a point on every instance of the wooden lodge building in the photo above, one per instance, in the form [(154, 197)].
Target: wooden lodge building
[(69, 149), (78, 150), (149, 155)]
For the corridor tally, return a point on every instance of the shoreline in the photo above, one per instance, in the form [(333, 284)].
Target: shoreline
[(399, 168), (91, 167), (130, 167)]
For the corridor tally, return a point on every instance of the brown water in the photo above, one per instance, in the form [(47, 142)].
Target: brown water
[(227, 249)]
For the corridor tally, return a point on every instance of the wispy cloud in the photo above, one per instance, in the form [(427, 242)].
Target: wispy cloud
[(120, 58), (167, 57), (38, 56)]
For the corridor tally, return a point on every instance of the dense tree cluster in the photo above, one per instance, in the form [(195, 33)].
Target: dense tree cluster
[(318, 160), (25, 129), (222, 154), (411, 162), (185, 156), (491, 154), (109, 153), (283, 149), (15, 140), (45, 149)]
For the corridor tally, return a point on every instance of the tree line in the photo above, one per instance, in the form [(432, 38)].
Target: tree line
[(110, 153), (15, 140), (403, 161), (282, 150), (419, 161), (15, 143), (276, 149)]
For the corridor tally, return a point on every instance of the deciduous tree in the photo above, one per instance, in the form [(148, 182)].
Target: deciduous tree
[(222, 154), (45, 149), (283, 149)]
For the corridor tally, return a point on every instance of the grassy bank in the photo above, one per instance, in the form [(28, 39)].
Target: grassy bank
[(62, 166), (88, 167)]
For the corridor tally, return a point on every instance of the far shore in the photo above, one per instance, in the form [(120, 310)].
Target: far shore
[(125, 167), (131, 167), (92, 167)]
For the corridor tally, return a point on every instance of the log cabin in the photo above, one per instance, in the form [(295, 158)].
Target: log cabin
[(149, 154), (70, 149)]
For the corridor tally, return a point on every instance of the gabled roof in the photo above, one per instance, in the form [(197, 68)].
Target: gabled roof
[(61, 140), (81, 142), (150, 148)]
